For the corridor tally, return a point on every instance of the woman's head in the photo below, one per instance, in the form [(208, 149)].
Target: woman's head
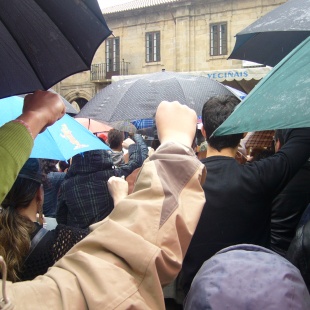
[(25, 186), (15, 228)]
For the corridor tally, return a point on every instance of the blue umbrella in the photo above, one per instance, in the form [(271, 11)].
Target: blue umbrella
[(144, 123), (60, 141), (240, 94)]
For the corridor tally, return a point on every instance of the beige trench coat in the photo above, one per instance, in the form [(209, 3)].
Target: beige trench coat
[(127, 258)]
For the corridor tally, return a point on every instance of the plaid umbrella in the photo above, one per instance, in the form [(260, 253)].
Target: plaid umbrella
[(144, 123), (258, 139)]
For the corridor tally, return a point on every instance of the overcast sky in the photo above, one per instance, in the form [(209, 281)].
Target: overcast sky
[(107, 3)]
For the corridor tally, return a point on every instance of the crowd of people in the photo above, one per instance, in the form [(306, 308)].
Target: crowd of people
[(227, 234)]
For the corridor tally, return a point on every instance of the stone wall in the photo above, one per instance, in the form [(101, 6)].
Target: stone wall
[(185, 44)]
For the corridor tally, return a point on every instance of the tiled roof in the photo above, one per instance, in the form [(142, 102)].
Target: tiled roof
[(135, 4)]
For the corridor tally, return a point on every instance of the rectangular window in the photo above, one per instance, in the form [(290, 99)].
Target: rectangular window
[(112, 54), (218, 39), (152, 46)]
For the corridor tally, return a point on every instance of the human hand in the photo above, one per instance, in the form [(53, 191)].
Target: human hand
[(42, 109), (151, 151), (176, 122), (127, 142), (118, 188)]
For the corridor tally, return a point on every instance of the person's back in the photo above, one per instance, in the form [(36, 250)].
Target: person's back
[(238, 197), (84, 198), (53, 245)]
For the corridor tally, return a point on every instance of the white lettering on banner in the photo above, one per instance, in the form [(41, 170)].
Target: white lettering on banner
[(228, 74)]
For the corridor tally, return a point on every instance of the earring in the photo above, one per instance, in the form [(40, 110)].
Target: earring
[(40, 216)]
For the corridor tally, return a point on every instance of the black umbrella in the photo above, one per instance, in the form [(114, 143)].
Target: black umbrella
[(45, 41), (138, 98), (272, 37)]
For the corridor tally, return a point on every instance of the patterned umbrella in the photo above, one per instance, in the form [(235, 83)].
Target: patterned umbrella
[(138, 98), (61, 141)]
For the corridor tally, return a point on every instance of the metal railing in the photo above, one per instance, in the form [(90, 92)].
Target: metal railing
[(101, 72)]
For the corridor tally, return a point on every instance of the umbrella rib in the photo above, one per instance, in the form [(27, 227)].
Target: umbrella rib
[(46, 86), (22, 51), (80, 54)]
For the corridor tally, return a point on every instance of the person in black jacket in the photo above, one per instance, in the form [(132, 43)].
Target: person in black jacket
[(238, 197), (289, 205)]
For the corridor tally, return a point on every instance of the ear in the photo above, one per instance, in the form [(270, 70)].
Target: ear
[(203, 132), (40, 194), (244, 134)]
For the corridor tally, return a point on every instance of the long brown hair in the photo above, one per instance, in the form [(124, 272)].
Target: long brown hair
[(15, 229)]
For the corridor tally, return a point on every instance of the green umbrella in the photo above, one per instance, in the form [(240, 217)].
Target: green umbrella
[(280, 100)]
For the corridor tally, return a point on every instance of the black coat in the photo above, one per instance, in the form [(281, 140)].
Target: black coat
[(287, 209)]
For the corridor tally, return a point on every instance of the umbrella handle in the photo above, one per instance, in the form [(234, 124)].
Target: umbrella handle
[(5, 303)]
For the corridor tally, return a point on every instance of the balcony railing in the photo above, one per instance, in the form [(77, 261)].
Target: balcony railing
[(103, 71)]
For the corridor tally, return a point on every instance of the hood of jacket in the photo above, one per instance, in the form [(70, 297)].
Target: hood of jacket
[(247, 277), (89, 162)]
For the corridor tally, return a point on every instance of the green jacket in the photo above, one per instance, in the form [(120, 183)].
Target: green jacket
[(15, 148)]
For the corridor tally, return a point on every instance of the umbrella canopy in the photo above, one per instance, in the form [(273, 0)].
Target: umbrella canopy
[(61, 141), (138, 98), (272, 37), (258, 139), (280, 100), (101, 127), (240, 94), (43, 42), (93, 126), (144, 123), (125, 126)]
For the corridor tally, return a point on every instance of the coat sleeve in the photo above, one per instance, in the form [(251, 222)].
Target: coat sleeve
[(15, 148), (137, 154), (127, 258)]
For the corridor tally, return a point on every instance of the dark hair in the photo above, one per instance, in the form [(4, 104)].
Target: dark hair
[(199, 137), (115, 138), (48, 165), (215, 111), (63, 165)]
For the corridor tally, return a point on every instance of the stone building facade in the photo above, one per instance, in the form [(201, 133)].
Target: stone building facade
[(176, 35)]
